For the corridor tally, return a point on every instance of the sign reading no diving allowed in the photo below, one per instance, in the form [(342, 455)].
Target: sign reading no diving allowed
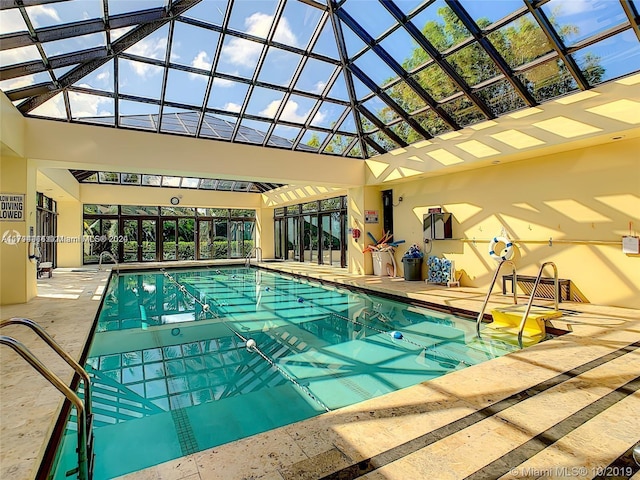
[(12, 207)]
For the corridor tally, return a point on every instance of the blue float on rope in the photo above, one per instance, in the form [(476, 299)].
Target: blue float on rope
[(300, 299), (396, 334)]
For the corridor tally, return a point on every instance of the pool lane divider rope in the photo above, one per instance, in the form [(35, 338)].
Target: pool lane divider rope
[(250, 343), (394, 334)]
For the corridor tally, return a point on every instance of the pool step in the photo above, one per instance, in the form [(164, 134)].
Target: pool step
[(508, 319)]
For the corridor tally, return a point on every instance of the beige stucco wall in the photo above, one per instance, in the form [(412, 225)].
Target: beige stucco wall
[(17, 272), (583, 200)]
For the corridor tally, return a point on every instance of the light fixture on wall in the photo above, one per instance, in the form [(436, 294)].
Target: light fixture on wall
[(175, 200)]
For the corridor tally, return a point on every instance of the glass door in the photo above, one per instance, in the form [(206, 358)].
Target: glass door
[(310, 237), (149, 236), (186, 238), (278, 230), (205, 240), (221, 242), (141, 244), (331, 252), (293, 239), (236, 238), (169, 239), (130, 247)]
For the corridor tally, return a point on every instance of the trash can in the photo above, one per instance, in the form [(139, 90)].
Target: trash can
[(380, 262), (412, 268)]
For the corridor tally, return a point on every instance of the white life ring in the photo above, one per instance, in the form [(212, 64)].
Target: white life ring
[(507, 251)]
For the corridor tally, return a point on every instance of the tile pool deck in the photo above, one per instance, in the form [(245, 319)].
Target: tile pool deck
[(566, 408)]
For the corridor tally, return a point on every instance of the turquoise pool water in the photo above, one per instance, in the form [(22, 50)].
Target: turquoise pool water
[(172, 373)]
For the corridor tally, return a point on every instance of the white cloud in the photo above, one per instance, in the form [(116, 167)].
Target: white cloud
[(150, 47), (223, 83), (284, 34), (242, 52), (42, 11), (245, 52), (19, 55), (51, 108), (103, 76), (20, 82), (271, 109), (12, 21), (83, 105), (289, 113), (232, 107), (201, 61), (319, 87), (573, 7), (319, 117)]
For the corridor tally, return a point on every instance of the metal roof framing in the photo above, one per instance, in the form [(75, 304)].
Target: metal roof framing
[(357, 129)]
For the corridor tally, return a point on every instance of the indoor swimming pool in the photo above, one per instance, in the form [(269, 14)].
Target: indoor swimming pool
[(184, 360)]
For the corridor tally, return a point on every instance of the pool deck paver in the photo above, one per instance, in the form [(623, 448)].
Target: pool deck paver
[(539, 412)]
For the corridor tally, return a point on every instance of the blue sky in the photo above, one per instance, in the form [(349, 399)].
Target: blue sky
[(195, 47)]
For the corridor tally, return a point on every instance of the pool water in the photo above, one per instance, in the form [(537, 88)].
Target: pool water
[(172, 374)]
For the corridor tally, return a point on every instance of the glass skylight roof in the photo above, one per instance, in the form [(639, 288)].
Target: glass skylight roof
[(349, 78), (86, 176)]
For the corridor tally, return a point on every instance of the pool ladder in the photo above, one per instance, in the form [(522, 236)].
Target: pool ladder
[(83, 409), (107, 253), (515, 297), (258, 252)]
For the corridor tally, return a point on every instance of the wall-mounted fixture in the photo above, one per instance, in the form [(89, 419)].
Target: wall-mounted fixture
[(175, 200), (437, 226)]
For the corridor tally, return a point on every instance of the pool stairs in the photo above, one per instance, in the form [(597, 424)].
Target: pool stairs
[(524, 323)]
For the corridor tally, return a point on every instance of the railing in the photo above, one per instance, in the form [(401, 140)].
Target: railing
[(533, 293), (258, 252), (84, 416), (107, 253), (493, 282)]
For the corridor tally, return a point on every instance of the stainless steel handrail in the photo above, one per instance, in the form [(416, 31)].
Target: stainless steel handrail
[(493, 282), (258, 252), (533, 292), (58, 349), (84, 470), (108, 254)]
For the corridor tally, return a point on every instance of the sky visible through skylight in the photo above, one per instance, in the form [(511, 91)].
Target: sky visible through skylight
[(288, 82)]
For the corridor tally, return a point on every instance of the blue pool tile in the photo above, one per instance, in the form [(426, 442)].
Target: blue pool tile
[(132, 374), (156, 388), (154, 370), (109, 362), (152, 355), (172, 352), (175, 367), (177, 384)]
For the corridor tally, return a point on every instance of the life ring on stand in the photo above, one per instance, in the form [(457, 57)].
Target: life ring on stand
[(507, 251)]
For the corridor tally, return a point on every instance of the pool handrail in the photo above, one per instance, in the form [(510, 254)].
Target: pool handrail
[(84, 417), (107, 253), (258, 252), (493, 282), (533, 293)]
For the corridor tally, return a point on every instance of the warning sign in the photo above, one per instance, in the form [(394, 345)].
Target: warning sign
[(370, 216), (12, 207)]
